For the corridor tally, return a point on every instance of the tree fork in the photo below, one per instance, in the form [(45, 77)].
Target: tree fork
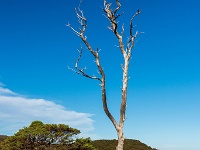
[(112, 16)]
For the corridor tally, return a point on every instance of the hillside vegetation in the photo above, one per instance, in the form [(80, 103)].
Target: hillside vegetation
[(128, 145), (60, 137), (111, 144)]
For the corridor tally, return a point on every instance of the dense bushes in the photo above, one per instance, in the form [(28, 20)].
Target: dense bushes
[(128, 145)]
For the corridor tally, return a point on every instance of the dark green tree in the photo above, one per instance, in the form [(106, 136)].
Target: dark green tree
[(43, 136)]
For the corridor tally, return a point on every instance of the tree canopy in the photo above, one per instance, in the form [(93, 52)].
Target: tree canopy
[(42, 136)]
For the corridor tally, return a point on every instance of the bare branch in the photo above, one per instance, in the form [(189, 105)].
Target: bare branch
[(131, 39), (82, 21), (112, 17), (81, 71), (118, 6), (118, 15), (98, 50), (76, 32), (122, 30), (131, 24)]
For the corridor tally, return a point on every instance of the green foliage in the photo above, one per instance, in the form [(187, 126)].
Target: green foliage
[(60, 137), (3, 137), (83, 144), (42, 136), (128, 145)]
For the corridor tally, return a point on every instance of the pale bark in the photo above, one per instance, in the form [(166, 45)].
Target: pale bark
[(126, 53)]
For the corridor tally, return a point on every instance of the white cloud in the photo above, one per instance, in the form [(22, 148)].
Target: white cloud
[(17, 112), (5, 91)]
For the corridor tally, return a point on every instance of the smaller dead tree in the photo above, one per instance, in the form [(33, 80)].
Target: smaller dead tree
[(126, 50)]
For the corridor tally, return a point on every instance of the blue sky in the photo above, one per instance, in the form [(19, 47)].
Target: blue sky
[(164, 89)]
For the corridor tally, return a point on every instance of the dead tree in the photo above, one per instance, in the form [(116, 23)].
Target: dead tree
[(126, 50)]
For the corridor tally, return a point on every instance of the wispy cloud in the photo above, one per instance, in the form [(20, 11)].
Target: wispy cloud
[(17, 111), (5, 91)]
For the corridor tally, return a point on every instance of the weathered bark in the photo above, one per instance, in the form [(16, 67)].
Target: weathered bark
[(112, 16), (120, 143)]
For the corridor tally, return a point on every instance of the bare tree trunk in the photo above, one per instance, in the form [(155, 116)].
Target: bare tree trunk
[(120, 143), (126, 50)]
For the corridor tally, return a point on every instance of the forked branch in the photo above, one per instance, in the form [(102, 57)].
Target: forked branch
[(83, 22), (131, 38), (112, 17), (81, 71)]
